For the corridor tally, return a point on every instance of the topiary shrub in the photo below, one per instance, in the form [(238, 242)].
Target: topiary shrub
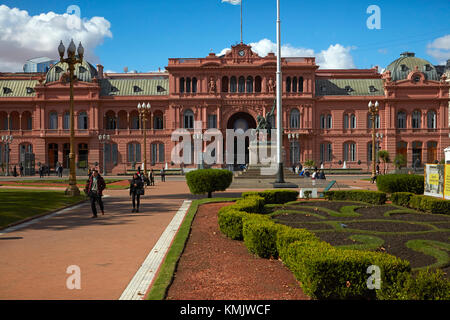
[(373, 197), (260, 235), (274, 196), (401, 198), (429, 204), (203, 181), (391, 183), (426, 285), (326, 272)]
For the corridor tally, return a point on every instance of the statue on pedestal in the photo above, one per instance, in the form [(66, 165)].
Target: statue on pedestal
[(265, 123)]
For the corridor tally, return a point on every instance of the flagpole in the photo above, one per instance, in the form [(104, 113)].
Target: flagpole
[(280, 173), (241, 20)]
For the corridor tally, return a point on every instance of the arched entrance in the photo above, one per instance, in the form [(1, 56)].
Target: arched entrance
[(241, 121), (52, 155)]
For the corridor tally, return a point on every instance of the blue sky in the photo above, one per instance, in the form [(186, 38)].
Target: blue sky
[(146, 33)]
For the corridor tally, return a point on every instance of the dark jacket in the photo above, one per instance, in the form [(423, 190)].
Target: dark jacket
[(139, 185), (101, 185)]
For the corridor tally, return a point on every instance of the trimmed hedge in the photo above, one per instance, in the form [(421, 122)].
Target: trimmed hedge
[(426, 285), (250, 204), (230, 222), (287, 235), (373, 197), (391, 183), (326, 272), (260, 235), (401, 198), (203, 181), (429, 204), (274, 196)]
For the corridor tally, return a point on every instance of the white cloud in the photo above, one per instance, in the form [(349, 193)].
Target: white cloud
[(234, 2), (440, 49), (335, 57), (24, 37)]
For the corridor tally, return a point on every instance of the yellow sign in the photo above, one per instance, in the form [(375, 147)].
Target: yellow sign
[(447, 181), (433, 179)]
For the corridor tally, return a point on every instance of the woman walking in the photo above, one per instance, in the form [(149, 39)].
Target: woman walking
[(136, 190)]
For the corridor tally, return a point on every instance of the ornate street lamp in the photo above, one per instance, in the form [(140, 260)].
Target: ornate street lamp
[(144, 110), (104, 139), (7, 140), (71, 61), (373, 111)]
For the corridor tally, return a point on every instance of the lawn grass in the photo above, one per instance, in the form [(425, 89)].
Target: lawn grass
[(165, 274), (19, 204)]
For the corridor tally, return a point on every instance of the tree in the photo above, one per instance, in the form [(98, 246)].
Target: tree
[(399, 161), (310, 163), (203, 181), (385, 157)]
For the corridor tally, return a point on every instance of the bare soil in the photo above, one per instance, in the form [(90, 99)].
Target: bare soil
[(213, 267)]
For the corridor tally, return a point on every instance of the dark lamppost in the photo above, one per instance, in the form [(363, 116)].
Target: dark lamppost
[(104, 139), (7, 140), (373, 110), (144, 110), (71, 61)]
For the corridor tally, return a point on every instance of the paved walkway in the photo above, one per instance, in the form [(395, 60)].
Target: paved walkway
[(109, 250)]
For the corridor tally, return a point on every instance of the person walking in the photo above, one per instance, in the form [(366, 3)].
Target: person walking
[(21, 169), (60, 171), (152, 178), (15, 171), (163, 175), (136, 190), (94, 189), (41, 172)]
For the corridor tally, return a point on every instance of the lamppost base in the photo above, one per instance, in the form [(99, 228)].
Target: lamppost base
[(280, 174), (72, 191)]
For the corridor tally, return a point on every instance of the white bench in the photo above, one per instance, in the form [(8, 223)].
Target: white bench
[(313, 192)]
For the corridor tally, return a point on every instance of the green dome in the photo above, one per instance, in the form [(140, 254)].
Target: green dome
[(83, 71), (407, 62)]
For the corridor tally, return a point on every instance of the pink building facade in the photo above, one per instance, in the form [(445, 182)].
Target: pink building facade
[(325, 112)]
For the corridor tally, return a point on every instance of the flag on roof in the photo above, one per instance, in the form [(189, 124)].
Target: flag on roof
[(234, 2)]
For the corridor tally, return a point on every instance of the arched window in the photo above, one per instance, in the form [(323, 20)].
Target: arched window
[(134, 152), (326, 152), (431, 151), (431, 119), (295, 119), (66, 120), (111, 153), (188, 85), (82, 120), (352, 121), (181, 85), (329, 121), (401, 120), (188, 119), (345, 121), (224, 84), (158, 121), (323, 124), (241, 87), (416, 119), (249, 84), (300, 84), (258, 84), (111, 121), (194, 85), (233, 84), (288, 84), (135, 123), (53, 120)]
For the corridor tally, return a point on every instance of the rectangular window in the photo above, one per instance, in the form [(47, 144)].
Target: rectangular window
[(329, 152), (212, 121), (322, 152), (161, 153), (154, 154)]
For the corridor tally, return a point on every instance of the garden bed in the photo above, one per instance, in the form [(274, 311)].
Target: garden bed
[(420, 238), (213, 266)]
